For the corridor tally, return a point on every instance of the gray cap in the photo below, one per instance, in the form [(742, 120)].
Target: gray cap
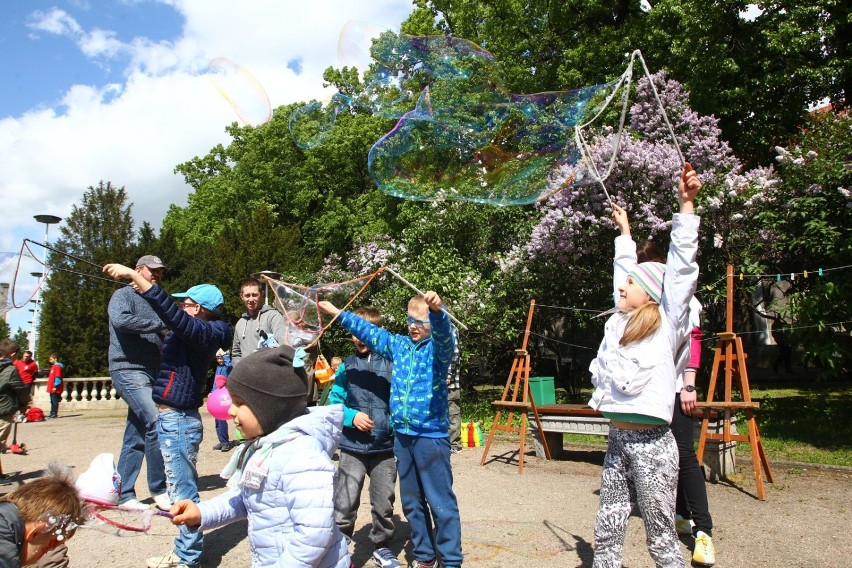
[(150, 261)]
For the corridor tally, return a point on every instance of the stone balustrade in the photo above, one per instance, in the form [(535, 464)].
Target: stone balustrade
[(83, 393)]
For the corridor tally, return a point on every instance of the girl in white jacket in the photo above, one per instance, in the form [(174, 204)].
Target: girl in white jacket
[(634, 378)]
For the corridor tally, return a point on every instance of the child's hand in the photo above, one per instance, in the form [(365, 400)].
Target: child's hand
[(186, 513), (619, 216), (433, 300), (119, 271), (362, 422), (689, 184), (328, 307)]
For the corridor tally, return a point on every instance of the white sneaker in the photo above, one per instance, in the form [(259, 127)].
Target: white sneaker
[(134, 505), (170, 560), (163, 502)]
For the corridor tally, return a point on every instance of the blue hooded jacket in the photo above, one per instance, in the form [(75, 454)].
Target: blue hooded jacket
[(418, 398), (187, 352)]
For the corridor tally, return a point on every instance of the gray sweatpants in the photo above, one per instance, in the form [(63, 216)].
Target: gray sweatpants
[(644, 461), (351, 472)]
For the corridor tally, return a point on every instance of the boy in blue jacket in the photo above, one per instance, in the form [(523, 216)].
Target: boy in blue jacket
[(362, 385), (196, 333), (420, 419)]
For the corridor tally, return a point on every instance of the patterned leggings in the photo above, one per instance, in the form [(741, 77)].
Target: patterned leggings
[(644, 464)]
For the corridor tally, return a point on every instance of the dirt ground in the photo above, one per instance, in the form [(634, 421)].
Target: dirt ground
[(542, 518)]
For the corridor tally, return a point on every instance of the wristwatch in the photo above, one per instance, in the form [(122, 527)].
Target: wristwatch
[(689, 388)]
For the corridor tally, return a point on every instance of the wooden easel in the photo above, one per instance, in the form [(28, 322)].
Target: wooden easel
[(730, 353), (517, 384)]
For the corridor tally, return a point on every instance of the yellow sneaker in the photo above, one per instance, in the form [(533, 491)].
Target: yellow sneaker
[(703, 553)]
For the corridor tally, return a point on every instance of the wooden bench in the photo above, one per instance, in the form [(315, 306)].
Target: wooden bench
[(559, 419)]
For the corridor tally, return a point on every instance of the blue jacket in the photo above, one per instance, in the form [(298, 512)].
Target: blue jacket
[(187, 352), (285, 487), (418, 403), (362, 384)]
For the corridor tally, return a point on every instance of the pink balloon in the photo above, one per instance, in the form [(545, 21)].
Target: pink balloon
[(218, 403), (220, 380)]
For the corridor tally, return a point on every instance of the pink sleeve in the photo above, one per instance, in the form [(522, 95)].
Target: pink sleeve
[(695, 349)]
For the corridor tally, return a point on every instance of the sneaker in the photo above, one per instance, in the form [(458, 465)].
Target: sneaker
[(170, 560), (134, 505), (218, 446), (421, 564), (703, 553), (163, 502), (227, 447), (384, 558), (455, 450), (683, 526)]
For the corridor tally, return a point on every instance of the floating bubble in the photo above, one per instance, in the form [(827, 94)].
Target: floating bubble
[(242, 91), (463, 136)]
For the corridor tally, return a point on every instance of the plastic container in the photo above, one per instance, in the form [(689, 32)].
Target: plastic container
[(542, 390)]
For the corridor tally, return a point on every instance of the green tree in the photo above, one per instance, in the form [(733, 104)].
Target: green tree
[(73, 319), (758, 76), (5, 330), (21, 338)]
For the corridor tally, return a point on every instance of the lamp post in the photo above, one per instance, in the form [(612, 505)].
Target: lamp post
[(48, 220), (270, 274)]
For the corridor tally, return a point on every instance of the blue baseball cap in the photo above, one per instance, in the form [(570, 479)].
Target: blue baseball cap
[(207, 296)]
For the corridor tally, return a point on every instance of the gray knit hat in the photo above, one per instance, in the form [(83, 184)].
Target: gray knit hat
[(269, 384)]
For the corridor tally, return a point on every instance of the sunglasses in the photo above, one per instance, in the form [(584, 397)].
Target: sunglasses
[(418, 323)]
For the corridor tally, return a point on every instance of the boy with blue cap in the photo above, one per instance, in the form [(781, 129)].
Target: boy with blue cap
[(196, 334)]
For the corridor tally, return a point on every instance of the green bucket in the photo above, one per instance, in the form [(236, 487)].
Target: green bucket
[(543, 391)]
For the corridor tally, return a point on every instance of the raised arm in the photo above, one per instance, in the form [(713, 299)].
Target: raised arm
[(625, 251)]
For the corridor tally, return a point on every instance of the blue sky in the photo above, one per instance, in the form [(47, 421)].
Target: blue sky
[(116, 90)]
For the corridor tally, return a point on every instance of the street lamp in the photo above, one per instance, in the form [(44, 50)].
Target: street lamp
[(270, 274), (48, 220)]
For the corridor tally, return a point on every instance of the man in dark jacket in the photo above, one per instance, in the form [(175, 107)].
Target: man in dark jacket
[(14, 394)]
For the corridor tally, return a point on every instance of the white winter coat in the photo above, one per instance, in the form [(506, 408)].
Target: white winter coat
[(286, 489), (640, 378)]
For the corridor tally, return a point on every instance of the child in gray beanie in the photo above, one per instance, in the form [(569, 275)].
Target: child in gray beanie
[(283, 477)]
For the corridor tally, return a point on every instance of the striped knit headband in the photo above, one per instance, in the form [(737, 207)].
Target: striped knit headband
[(649, 275)]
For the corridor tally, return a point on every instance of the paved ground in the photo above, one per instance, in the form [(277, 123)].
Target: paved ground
[(542, 518)]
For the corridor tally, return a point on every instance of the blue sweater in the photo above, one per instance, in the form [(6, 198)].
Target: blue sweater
[(418, 399), (134, 333), (187, 352)]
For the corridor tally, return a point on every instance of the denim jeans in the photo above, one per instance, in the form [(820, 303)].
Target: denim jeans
[(140, 433), (180, 433), (426, 492), (55, 399), (352, 470)]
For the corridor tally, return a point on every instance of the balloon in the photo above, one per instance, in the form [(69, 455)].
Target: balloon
[(220, 380), (218, 403)]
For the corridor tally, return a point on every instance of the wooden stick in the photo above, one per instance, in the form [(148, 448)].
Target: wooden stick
[(410, 285)]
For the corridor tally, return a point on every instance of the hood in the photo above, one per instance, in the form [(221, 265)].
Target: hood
[(263, 308), (324, 423)]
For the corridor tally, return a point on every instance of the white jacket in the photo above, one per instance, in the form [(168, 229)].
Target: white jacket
[(640, 378)]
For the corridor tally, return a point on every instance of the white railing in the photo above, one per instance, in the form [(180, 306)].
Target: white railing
[(89, 393)]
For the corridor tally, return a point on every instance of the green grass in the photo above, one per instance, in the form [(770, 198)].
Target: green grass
[(805, 422)]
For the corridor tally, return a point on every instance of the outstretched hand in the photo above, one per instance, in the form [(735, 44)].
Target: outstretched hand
[(433, 300), (185, 512), (621, 220), (119, 271), (327, 307), (689, 184)]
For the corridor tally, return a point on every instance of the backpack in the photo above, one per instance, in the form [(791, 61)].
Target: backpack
[(35, 414)]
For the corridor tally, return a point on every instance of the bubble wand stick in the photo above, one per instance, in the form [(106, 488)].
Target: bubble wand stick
[(410, 285)]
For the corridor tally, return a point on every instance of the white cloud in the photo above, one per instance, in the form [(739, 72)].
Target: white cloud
[(54, 21)]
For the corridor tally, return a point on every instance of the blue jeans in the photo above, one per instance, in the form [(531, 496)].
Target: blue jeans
[(140, 433), (426, 492), (180, 433)]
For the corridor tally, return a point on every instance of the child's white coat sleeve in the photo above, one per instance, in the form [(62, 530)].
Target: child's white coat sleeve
[(681, 276), (623, 262), (222, 510)]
